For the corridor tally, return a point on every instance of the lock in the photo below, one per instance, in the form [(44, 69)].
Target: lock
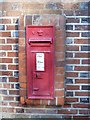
[(40, 61)]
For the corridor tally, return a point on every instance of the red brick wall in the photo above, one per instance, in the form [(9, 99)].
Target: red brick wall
[(12, 41)]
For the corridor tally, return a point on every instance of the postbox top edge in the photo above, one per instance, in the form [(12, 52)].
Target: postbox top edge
[(38, 26)]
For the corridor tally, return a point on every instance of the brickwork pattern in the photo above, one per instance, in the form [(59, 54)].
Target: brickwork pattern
[(77, 82)]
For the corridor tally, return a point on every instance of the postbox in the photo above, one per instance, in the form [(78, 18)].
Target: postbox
[(40, 62)]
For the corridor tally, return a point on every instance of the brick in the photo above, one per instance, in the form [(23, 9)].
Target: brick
[(12, 41), (6, 47), (52, 102), (48, 11), (23, 93), (12, 27), (85, 87), (59, 41), (22, 51), (72, 74), (23, 85), (82, 93), (59, 56), (69, 55), (82, 27), (15, 13), (13, 92), (19, 110), (3, 67), (72, 87), (84, 112), (85, 48), (17, 86), (36, 102), (34, 5), (59, 78), (18, 98), (85, 75), (59, 33), (3, 92), (15, 34), (3, 79), (81, 55), (4, 103), (13, 67), (2, 41), (81, 68), (84, 100), (16, 74), (72, 48), (70, 100), (81, 12), (85, 34), (59, 70), (6, 34), (22, 42), (83, 5), (22, 70), (13, 104), (59, 85), (69, 94), (68, 81), (81, 105), (85, 20), (29, 102), (68, 12), (12, 79), (81, 41), (12, 54), (15, 47), (69, 27), (82, 81), (6, 60), (11, 110), (52, 6), (12, 85), (68, 68), (72, 34), (72, 61), (21, 34), (22, 78), (72, 20), (2, 27), (8, 73), (85, 62), (44, 102), (60, 63), (6, 85), (28, 19), (67, 111), (60, 101), (59, 48), (68, 6), (59, 93), (15, 60), (6, 21), (9, 98)]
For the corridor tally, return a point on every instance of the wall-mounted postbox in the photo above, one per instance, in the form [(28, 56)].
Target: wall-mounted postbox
[(40, 61)]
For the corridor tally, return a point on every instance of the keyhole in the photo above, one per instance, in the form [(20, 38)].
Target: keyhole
[(36, 75)]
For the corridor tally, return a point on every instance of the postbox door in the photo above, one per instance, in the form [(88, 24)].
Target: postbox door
[(41, 74)]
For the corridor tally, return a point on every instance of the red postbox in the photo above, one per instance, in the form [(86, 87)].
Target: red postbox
[(40, 62)]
